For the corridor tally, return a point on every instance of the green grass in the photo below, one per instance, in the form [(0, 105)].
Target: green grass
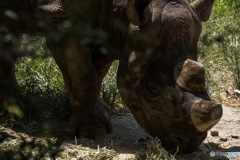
[(219, 50), (109, 91)]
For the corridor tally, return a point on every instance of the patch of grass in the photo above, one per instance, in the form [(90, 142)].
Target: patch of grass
[(220, 50), (222, 7), (41, 82), (153, 150), (109, 90)]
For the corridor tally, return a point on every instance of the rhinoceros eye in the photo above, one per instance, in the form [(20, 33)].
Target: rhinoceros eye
[(153, 87), (151, 92)]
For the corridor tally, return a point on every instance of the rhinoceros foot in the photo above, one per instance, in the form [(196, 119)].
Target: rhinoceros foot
[(88, 124)]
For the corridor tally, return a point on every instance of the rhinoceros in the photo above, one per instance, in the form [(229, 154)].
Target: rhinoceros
[(158, 76)]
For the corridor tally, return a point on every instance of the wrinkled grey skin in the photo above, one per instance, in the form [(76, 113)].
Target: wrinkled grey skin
[(159, 79)]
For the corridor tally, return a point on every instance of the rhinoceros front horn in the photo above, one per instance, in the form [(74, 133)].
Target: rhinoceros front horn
[(191, 76)]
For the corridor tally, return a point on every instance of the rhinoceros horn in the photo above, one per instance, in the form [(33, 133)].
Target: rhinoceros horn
[(138, 11), (203, 8), (191, 77)]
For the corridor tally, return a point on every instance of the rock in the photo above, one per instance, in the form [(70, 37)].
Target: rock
[(237, 93), (223, 139), (225, 145), (235, 136), (214, 133)]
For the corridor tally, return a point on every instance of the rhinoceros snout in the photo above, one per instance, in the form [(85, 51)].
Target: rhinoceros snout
[(205, 114)]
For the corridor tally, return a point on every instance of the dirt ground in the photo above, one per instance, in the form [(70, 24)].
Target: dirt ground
[(128, 139)]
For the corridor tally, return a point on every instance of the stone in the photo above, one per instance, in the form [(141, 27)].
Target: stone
[(214, 133), (223, 139)]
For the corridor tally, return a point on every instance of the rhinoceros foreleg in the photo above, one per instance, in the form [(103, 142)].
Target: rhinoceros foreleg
[(90, 117)]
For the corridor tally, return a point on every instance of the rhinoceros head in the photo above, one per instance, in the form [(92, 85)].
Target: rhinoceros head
[(160, 81)]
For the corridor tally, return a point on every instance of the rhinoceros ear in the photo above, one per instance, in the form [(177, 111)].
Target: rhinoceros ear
[(190, 76), (138, 11), (203, 8)]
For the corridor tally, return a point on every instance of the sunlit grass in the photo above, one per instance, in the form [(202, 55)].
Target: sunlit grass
[(220, 52)]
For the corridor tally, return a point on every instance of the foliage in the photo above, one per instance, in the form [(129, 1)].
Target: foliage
[(222, 7), (42, 89), (109, 91), (219, 48)]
